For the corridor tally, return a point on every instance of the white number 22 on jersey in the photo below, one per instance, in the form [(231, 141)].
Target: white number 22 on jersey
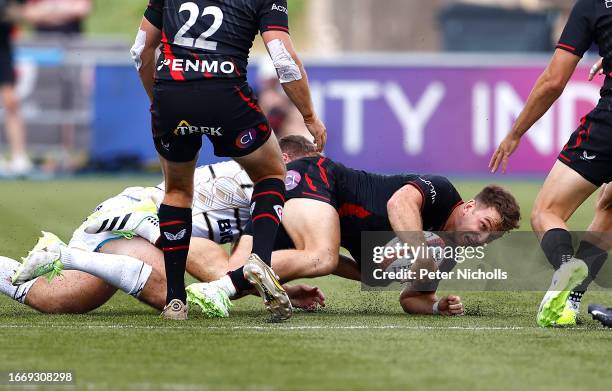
[(201, 42)]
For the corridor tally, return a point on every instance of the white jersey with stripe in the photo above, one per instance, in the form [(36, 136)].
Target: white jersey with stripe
[(221, 202)]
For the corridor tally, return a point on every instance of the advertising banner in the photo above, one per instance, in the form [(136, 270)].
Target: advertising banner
[(390, 118)]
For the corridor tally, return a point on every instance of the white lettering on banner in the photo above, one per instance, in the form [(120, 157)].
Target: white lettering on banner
[(508, 106), (481, 115), (495, 107), (414, 119), (567, 107), (353, 93)]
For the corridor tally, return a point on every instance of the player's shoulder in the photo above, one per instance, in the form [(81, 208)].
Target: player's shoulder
[(437, 188)]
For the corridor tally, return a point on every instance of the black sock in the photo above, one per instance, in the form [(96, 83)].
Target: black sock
[(175, 227), (595, 258), (266, 214), (558, 247), (240, 283)]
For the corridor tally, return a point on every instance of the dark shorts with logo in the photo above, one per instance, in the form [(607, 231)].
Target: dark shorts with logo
[(225, 111), (7, 70), (589, 150)]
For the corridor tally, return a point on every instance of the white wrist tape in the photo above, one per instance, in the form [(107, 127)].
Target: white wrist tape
[(138, 48), (285, 65), (435, 309)]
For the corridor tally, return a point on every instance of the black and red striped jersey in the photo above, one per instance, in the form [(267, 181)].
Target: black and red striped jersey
[(591, 22), (361, 197), (211, 39)]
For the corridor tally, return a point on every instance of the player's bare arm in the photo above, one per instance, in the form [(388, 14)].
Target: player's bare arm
[(546, 91), (143, 54), (404, 210), (294, 80)]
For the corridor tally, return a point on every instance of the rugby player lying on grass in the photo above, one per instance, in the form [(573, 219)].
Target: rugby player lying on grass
[(330, 205), (104, 262)]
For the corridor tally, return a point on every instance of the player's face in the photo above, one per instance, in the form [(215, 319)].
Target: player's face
[(476, 224)]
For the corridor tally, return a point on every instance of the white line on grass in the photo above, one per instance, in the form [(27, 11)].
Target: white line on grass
[(274, 327)]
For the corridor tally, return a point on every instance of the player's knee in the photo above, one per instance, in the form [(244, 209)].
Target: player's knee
[(325, 262), (604, 203), (11, 104), (537, 218)]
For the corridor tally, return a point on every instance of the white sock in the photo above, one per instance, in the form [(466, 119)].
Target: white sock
[(225, 284), (17, 293), (149, 230), (125, 273)]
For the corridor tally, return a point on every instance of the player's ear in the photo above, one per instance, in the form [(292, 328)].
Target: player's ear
[(286, 158), (469, 207)]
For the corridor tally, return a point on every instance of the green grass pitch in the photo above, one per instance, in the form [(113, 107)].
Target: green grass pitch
[(361, 341)]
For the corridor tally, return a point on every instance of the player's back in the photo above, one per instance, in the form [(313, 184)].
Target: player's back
[(364, 195), (211, 39)]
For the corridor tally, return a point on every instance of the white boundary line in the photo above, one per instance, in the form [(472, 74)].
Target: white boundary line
[(279, 328)]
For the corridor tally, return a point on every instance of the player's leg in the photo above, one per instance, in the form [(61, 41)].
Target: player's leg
[(207, 260), (267, 171), (203, 267), (153, 291), (175, 219), (172, 105), (595, 244), (52, 256), (74, 293), (314, 228), (563, 192), (15, 129)]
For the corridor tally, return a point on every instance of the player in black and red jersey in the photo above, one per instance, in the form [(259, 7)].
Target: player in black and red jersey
[(198, 87), (584, 164), (330, 206)]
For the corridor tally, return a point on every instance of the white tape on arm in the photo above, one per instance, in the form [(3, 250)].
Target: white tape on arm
[(435, 309), (138, 48), (285, 65)]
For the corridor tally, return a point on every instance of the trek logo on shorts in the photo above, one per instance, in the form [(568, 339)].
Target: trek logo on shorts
[(185, 129), (608, 3), (246, 138), (292, 180)]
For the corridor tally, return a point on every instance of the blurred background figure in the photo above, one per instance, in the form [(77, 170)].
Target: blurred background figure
[(18, 163), (58, 16), (61, 23)]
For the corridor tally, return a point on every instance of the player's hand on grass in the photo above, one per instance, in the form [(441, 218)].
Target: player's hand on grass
[(451, 306), (305, 297), (597, 69), (502, 154), (317, 129)]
